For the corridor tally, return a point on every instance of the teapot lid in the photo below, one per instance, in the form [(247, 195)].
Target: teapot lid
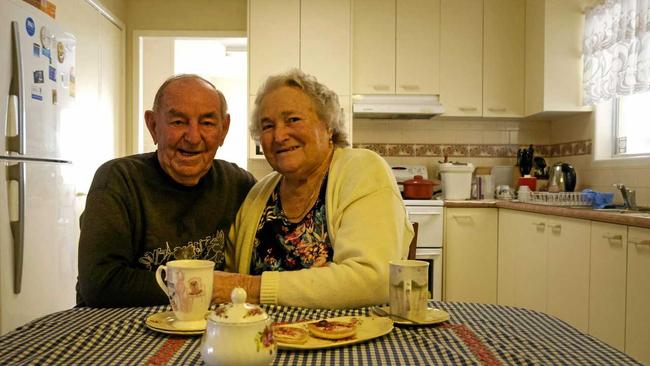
[(239, 311)]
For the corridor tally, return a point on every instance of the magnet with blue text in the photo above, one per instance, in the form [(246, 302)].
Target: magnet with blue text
[(30, 26), (36, 50), (37, 92), (52, 73)]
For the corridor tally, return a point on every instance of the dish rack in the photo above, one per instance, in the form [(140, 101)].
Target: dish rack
[(558, 199)]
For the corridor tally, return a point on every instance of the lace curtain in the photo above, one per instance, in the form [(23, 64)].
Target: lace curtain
[(616, 50)]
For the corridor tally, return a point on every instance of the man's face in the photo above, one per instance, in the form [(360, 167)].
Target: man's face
[(188, 129)]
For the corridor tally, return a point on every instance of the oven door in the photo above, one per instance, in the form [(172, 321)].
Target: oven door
[(434, 257), (430, 224)]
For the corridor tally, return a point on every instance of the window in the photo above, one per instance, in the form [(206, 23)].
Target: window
[(631, 125)]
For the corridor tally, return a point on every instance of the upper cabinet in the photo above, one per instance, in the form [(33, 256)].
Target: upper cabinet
[(482, 58), (553, 56), (396, 46), (325, 42), (273, 39), (461, 57), (503, 58), (312, 35)]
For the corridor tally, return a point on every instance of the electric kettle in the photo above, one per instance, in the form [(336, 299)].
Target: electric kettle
[(562, 178)]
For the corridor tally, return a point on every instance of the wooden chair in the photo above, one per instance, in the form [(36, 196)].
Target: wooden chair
[(414, 241)]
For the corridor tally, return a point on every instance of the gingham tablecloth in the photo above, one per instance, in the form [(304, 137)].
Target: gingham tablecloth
[(476, 335)]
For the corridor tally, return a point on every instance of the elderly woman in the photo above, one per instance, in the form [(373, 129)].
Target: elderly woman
[(319, 231)]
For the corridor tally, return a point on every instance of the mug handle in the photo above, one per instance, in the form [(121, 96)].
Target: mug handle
[(159, 279)]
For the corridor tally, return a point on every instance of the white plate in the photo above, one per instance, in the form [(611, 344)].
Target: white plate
[(432, 316), (165, 322), (368, 328)]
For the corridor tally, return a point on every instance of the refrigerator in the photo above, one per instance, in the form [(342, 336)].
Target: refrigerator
[(38, 248)]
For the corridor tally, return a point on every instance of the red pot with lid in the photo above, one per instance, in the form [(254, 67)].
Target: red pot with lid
[(418, 188)]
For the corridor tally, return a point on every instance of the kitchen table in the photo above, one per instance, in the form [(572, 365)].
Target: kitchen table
[(477, 334)]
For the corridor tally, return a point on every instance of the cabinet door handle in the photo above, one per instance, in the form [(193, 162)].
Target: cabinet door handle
[(492, 109), (463, 218), (410, 87), (467, 109), (639, 242), (381, 87), (617, 237)]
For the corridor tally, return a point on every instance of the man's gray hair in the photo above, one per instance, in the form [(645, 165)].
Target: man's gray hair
[(325, 101), (161, 91)]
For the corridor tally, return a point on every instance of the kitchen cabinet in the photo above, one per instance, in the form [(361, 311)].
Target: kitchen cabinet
[(567, 270), (637, 324), (553, 56), (544, 264), (461, 57), (522, 260), (471, 255), (482, 58), (273, 39), (503, 58), (325, 42), (312, 35), (607, 278), (396, 46)]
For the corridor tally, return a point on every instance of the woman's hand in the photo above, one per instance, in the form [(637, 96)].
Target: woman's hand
[(224, 282)]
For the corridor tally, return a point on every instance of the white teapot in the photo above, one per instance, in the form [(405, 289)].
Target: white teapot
[(238, 333)]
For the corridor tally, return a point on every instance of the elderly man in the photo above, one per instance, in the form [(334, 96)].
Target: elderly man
[(177, 203)]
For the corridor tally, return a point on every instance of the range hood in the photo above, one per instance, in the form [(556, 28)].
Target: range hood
[(396, 106)]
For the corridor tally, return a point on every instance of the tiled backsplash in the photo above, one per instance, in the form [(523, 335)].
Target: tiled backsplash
[(476, 150)]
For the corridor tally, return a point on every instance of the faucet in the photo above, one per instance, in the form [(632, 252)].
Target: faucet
[(629, 196)]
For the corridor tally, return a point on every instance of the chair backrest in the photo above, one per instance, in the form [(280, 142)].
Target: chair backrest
[(414, 241)]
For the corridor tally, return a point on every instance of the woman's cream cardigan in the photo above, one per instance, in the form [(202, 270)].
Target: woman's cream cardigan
[(367, 224)]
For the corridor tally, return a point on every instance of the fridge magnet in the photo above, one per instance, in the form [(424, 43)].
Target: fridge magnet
[(46, 53), (38, 77), (73, 81), (30, 27), (37, 92), (37, 50), (54, 96), (46, 37), (60, 52), (52, 73)]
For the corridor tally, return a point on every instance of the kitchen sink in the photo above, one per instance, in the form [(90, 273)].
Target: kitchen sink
[(639, 211)]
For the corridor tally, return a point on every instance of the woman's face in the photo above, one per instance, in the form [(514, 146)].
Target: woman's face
[(295, 141)]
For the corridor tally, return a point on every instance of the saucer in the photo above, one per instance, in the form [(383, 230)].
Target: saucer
[(166, 322), (431, 316)]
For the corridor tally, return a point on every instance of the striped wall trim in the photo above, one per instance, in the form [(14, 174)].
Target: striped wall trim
[(573, 148)]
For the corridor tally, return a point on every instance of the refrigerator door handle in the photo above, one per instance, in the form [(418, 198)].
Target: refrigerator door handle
[(16, 88), (16, 173)]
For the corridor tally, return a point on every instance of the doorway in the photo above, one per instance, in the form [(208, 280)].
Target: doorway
[(220, 59)]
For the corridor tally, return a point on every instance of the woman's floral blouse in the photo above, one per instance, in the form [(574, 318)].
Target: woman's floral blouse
[(281, 245)]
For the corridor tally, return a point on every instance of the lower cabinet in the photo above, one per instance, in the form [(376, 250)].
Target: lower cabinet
[(607, 279), (637, 324), (522, 260), (544, 265), (567, 270), (471, 255)]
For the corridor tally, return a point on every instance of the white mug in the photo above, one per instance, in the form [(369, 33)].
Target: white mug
[(189, 289), (409, 288)]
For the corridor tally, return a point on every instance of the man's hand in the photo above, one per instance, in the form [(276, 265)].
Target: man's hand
[(225, 282)]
